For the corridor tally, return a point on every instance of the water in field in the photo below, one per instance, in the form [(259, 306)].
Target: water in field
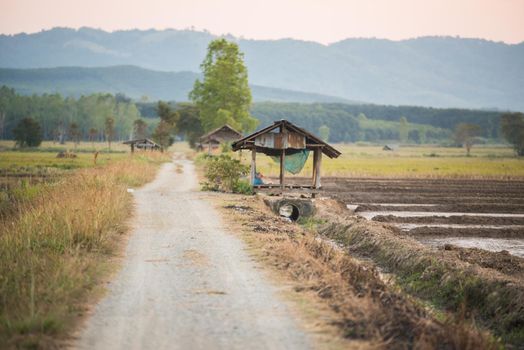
[(513, 246), (407, 227), (400, 204), (419, 214)]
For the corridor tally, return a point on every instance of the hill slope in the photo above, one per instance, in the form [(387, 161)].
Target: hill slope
[(132, 81), (429, 71)]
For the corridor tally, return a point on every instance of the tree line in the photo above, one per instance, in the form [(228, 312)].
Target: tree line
[(95, 117), (345, 126)]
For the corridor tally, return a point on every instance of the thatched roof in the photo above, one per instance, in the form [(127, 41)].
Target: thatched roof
[(142, 141), (311, 141), (218, 134)]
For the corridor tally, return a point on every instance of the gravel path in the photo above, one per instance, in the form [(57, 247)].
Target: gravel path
[(185, 282)]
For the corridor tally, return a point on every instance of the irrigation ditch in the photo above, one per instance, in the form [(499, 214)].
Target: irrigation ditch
[(457, 245), (484, 286), (367, 307)]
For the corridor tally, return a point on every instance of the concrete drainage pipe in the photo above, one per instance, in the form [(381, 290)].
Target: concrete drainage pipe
[(289, 211)]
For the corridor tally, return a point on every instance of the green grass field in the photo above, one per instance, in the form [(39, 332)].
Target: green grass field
[(45, 156), (25, 161), (410, 161), (81, 147)]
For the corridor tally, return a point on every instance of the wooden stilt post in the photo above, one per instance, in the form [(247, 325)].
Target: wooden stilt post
[(314, 177), (282, 160), (318, 156), (253, 165)]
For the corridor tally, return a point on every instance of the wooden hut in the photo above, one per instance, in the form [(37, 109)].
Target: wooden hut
[(213, 139), (281, 139), (390, 147), (142, 144)]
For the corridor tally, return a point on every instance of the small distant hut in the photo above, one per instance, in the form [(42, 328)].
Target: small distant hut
[(143, 144), (292, 145), (213, 139), (390, 147)]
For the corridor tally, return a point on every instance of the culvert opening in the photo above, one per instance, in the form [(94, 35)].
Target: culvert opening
[(289, 211)]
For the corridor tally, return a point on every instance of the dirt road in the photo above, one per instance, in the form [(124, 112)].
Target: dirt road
[(185, 282)]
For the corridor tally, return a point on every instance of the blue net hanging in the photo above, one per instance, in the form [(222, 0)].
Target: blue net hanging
[(293, 163)]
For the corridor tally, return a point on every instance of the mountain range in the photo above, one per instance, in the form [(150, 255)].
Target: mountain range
[(134, 82), (427, 71)]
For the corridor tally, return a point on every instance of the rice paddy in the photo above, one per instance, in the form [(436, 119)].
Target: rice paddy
[(493, 162)]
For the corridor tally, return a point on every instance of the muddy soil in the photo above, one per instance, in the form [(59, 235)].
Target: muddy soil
[(459, 219), (459, 195), (468, 208), (500, 261), (468, 232), (438, 211)]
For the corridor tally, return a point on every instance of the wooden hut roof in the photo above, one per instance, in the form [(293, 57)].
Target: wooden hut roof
[(312, 141), (225, 127), (142, 141)]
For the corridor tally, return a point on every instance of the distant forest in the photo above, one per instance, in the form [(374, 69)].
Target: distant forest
[(56, 114), (368, 122), (343, 122)]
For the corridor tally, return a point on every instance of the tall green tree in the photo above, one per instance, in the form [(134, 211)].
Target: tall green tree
[(140, 129), (163, 133), (166, 113), (74, 133), (28, 133), (512, 127), (6, 96), (403, 129), (109, 130), (465, 134), (323, 132), (223, 96), (189, 123), (92, 135)]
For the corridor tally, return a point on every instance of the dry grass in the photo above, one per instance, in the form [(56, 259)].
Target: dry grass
[(367, 311), (54, 251)]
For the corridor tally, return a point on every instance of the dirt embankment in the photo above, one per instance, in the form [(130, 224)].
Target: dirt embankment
[(481, 284), (366, 309), (501, 261)]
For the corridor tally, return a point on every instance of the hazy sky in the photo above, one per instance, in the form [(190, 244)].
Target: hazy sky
[(324, 21)]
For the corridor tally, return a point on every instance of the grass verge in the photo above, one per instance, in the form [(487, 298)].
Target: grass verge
[(53, 253)]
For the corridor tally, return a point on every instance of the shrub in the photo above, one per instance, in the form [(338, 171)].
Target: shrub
[(243, 187), (223, 173), (28, 133)]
